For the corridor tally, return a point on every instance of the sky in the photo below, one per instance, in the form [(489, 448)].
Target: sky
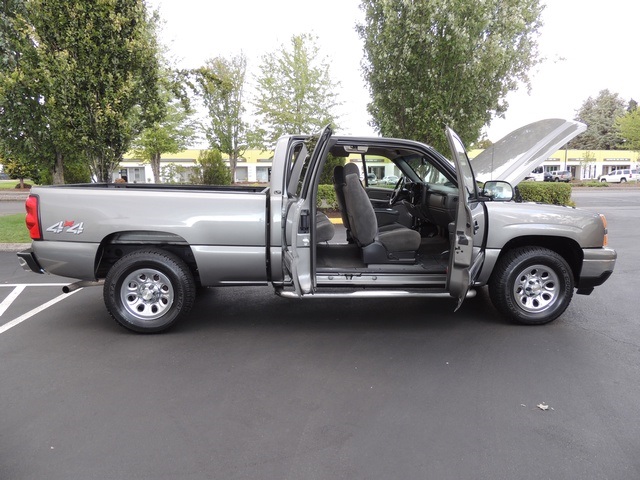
[(588, 46)]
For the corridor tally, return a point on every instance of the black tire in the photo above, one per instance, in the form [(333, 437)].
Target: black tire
[(147, 291), (623, 180), (531, 285)]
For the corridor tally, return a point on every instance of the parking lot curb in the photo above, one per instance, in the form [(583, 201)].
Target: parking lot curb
[(13, 247)]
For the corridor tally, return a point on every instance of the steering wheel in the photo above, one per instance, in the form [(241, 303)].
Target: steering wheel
[(396, 191)]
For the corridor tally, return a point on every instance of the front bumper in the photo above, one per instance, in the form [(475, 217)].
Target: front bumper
[(597, 267)]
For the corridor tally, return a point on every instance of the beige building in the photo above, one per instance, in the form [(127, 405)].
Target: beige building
[(255, 166)]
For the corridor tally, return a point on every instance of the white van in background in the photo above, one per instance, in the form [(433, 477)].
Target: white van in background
[(536, 175)]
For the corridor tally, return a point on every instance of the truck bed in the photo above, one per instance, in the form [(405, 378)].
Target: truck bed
[(180, 187)]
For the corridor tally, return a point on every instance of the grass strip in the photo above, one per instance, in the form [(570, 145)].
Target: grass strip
[(13, 229)]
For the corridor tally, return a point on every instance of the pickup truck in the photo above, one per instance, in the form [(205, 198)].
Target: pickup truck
[(442, 231)]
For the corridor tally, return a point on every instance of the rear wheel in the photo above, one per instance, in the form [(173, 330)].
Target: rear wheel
[(147, 291), (532, 285)]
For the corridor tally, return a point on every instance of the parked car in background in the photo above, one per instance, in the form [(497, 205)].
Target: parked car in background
[(547, 177), (620, 176), (389, 180), (561, 176), (536, 175), (372, 179), (4, 176)]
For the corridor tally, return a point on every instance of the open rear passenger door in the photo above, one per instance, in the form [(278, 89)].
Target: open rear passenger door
[(300, 211), (467, 232)]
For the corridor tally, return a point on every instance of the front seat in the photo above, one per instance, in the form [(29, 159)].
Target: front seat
[(393, 243), (338, 186), (384, 216)]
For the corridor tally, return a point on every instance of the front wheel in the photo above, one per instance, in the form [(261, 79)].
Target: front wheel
[(531, 285), (623, 180), (147, 291)]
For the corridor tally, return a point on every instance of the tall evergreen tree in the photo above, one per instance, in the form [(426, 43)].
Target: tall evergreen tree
[(600, 115), (435, 62)]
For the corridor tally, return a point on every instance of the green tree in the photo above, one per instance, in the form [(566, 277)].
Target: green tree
[(211, 169), (295, 92), (434, 62), (171, 132), (21, 170), (82, 82), (27, 134), (600, 115), (326, 177), (628, 127), (220, 83), (172, 173)]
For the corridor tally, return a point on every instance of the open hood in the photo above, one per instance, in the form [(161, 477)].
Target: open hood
[(513, 157)]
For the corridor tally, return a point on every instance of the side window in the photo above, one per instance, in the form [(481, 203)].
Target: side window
[(300, 156), (463, 161), (297, 158)]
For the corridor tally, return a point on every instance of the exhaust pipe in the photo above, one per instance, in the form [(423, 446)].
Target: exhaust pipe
[(81, 284)]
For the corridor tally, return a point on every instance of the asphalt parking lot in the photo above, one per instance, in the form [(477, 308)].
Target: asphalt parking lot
[(255, 386)]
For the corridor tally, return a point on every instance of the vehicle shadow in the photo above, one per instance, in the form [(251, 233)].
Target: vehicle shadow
[(258, 307)]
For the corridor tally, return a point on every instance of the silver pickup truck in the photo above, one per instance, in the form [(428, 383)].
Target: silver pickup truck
[(436, 234)]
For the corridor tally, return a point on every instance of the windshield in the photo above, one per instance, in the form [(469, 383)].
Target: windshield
[(427, 171)]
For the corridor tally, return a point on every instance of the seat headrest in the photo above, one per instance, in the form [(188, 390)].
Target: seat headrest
[(351, 168), (338, 175)]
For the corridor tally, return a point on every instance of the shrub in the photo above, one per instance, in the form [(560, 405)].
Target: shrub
[(591, 183), (327, 197), (546, 192), (211, 169)]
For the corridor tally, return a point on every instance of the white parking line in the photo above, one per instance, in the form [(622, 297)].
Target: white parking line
[(31, 313), (17, 290), (6, 303)]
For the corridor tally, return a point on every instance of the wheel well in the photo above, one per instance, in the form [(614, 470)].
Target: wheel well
[(115, 246), (565, 247)]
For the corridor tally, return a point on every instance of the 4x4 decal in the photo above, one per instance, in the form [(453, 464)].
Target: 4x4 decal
[(67, 226)]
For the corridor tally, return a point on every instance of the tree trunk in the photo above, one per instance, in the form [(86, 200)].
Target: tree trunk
[(58, 170), (155, 167), (233, 162)]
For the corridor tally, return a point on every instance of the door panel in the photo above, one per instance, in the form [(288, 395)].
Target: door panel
[(379, 196), (467, 231), (299, 229)]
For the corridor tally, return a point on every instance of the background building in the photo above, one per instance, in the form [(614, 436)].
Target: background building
[(255, 166)]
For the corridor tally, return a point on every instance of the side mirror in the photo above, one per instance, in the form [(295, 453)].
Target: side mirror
[(498, 190)]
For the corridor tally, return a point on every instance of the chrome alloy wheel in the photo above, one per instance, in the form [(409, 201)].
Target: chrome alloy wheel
[(536, 288), (147, 294)]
